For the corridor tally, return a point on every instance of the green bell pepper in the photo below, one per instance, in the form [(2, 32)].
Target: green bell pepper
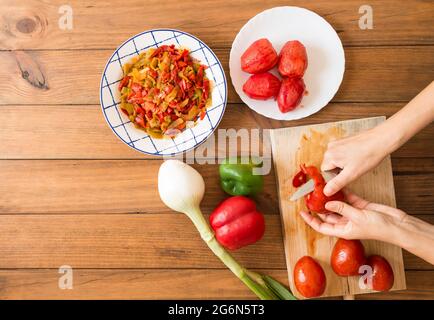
[(237, 178)]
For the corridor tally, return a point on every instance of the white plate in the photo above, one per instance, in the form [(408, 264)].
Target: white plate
[(139, 139), (326, 58)]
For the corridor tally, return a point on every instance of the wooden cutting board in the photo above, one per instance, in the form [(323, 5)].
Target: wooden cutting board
[(307, 144)]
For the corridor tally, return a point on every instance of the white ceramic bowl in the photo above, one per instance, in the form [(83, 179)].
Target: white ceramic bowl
[(326, 58), (139, 139)]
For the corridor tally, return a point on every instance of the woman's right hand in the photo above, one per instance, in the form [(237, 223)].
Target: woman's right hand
[(360, 153), (361, 219), (354, 155)]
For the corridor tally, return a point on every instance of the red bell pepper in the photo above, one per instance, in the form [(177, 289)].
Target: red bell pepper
[(237, 223), (316, 200)]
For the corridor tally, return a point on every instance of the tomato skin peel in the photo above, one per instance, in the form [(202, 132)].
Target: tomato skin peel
[(299, 179)]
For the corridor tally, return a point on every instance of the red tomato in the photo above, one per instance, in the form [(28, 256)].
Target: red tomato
[(290, 94), (293, 60), (262, 86), (309, 277), (316, 200), (382, 273), (259, 57), (347, 257)]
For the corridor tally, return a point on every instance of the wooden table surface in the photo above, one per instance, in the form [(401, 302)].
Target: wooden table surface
[(72, 194)]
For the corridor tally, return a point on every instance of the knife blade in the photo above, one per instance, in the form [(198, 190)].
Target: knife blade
[(309, 186)]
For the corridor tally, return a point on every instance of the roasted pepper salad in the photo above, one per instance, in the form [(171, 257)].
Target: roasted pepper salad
[(164, 90)]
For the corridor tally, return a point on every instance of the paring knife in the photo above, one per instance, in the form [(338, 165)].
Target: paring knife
[(309, 186)]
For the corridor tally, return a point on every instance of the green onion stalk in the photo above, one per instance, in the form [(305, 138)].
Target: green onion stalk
[(182, 188)]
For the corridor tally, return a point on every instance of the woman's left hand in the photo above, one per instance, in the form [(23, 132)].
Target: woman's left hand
[(357, 219)]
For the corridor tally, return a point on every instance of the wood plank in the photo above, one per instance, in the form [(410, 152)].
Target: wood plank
[(131, 241), (32, 24), (308, 146), (420, 165), (165, 284), (120, 241), (39, 77), (85, 135), (113, 186)]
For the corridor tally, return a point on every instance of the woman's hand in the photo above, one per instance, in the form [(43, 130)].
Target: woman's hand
[(360, 153), (357, 219), (355, 155), (361, 219)]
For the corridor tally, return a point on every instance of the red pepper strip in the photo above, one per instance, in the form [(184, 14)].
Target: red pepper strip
[(174, 105), (149, 106), (156, 52), (185, 53), (185, 58), (174, 75), (130, 96), (139, 110), (135, 99), (140, 121), (123, 82), (168, 88), (299, 179), (125, 111), (199, 77), (237, 223), (316, 200), (149, 114), (181, 126), (137, 88), (205, 86), (182, 88), (153, 73), (181, 56), (202, 114)]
